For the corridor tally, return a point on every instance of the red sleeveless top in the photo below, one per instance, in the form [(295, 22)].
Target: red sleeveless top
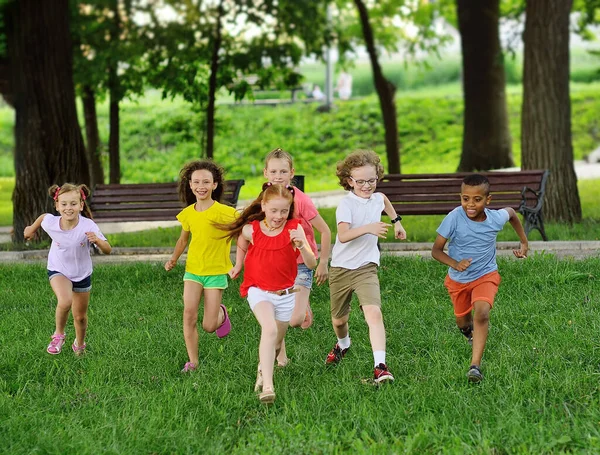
[(270, 263)]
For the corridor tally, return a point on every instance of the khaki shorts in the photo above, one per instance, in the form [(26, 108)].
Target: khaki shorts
[(362, 281)]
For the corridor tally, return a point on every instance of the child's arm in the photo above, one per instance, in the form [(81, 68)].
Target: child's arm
[(30, 231), (298, 238), (345, 234), (320, 225), (182, 242), (242, 243), (102, 244), (388, 208), (437, 252), (518, 227)]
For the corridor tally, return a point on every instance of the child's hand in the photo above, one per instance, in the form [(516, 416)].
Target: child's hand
[(321, 274), (92, 237), (379, 229), (235, 272), (29, 233), (170, 264), (522, 252), (399, 231), (298, 238), (463, 265)]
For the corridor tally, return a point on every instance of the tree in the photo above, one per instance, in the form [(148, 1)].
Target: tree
[(546, 113), (486, 137), (48, 143)]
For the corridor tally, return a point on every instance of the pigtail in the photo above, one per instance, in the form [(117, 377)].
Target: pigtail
[(53, 192), (85, 196), (84, 193)]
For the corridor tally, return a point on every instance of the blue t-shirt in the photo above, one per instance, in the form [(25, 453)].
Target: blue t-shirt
[(472, 239)]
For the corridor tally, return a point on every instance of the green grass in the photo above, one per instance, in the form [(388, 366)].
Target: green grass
[(7, 185), (540, 393)]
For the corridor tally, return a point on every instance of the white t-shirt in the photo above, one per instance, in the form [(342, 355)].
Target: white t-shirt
[(357, 211), (70, 250)]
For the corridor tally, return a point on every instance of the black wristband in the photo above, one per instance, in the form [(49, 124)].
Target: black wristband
[(395, 220)]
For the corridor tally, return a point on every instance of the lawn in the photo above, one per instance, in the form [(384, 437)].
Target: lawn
[(126, 395)]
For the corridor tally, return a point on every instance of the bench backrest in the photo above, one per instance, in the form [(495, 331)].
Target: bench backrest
[(147, 201), (438, 194)]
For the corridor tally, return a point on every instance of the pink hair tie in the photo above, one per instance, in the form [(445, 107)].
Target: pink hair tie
[(56, 193), (82, 194)]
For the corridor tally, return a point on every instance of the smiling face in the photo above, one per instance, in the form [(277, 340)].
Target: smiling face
[(473, 200), (202, 184), (363, 181), (69, 204), (278, 170), (277, 210)]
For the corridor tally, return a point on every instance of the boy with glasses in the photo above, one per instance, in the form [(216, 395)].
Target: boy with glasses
[(355, 256)]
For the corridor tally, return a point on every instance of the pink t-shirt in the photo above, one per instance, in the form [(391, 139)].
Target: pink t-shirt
[(70, 250), (305, 211)]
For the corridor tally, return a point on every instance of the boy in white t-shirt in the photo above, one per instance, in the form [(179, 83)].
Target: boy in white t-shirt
[(355, 255)]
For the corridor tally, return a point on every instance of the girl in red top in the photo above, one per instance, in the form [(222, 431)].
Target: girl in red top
[(271, 241)]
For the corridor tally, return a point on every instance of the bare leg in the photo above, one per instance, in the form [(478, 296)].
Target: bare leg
[(374, 320), (269, 335), (340, 326), (481, 321), (81, 302), (213, 313), (192, 292), (298, 315), (63, 289)]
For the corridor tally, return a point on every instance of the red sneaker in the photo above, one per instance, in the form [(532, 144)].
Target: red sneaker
[(382, 374), (336, 355)]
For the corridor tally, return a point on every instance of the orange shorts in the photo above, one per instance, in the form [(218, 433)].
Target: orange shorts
[(463, 295)]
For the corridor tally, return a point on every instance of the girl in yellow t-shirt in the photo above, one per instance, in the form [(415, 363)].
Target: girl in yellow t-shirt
[(208, 261)]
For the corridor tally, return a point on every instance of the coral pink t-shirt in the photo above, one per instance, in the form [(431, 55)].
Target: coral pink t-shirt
[(305, 211), (270, 263)]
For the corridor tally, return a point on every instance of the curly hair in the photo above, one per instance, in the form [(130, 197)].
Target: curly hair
[(254, 210), (84, 193), (186, 194), (281, 154), (358, 158)]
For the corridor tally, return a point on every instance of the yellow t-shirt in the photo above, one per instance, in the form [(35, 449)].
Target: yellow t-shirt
[(208, 252)]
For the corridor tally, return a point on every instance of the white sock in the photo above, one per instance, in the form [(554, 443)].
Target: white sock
[(344, 343), (379, 357)]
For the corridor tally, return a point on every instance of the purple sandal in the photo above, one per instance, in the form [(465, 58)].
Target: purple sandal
[(225, 328)]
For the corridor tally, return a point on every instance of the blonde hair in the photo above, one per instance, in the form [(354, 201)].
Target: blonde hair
[(358, 158), (281, 154), (254, 210), (84, 194)]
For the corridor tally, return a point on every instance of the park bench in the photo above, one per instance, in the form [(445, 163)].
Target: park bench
[(438, 194), (147, 201)]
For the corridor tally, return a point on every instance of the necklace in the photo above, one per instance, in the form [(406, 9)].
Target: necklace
[(269, 227)]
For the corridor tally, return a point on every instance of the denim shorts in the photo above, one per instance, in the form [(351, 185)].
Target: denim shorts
[(304, 277), (84, 285)]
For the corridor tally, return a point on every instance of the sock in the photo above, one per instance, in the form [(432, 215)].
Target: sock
[(344, 343), (379, 357), (467, 331)]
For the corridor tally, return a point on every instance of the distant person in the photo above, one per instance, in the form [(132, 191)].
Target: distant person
[(271, 241), (473, 277), (355, 256), (279, 168), (344, 86), (317, 94), (69, 261), (208, 259)]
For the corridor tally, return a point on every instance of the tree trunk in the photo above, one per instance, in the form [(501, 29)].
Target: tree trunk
[(113, 139), (486, 136), (546, 112), (48, 143), (386, 92), (212, 87), (93, 137)]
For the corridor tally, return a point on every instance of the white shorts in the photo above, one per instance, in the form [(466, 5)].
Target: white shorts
[(283, 304)]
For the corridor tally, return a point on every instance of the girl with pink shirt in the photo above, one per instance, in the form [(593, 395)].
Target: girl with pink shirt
[(69, 260)]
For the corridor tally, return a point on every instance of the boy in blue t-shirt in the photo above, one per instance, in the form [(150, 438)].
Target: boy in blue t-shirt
[(473, 277)]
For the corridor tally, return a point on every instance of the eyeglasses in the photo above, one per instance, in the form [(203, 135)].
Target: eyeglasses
[(371, 182)]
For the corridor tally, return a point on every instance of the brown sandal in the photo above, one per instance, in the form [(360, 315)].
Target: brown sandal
[(267, 396)]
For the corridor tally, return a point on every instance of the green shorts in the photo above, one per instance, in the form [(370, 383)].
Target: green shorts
[(208, 281)]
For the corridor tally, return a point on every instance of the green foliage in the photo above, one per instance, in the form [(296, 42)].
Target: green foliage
[(126, 395)]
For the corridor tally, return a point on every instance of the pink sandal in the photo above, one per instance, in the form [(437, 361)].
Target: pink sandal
[(78, 350), (189, 367), (56, 344), (225, 328)]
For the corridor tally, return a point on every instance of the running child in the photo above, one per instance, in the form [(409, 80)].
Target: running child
[(473, 277), (69, 261), (208, 261), (271, 240), (356, 255), (279, 168)]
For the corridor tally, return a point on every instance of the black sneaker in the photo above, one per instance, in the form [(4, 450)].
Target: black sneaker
[(474, 374), (336, 355)]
